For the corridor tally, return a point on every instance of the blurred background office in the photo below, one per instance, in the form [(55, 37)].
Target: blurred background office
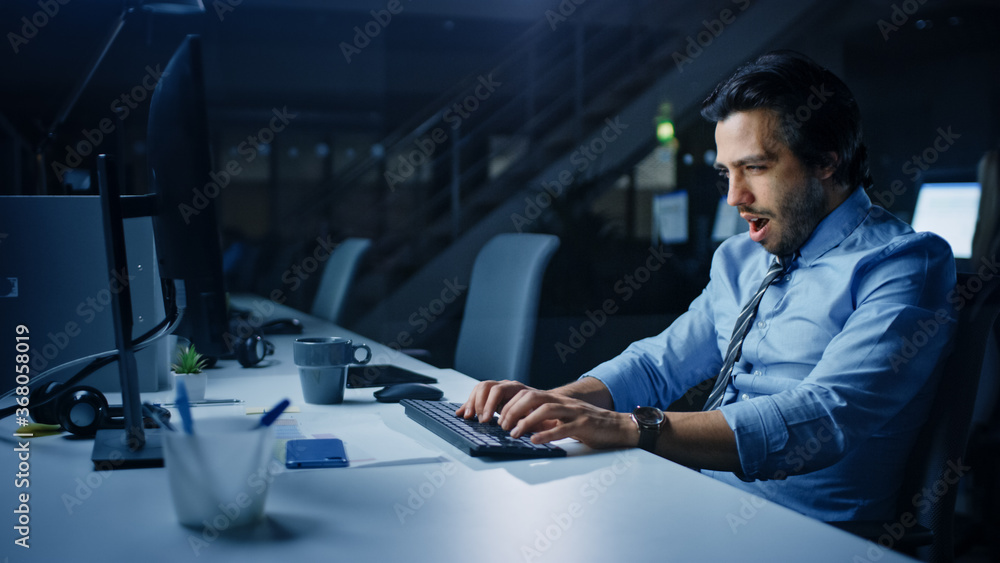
[(428, 127), (418, 131)]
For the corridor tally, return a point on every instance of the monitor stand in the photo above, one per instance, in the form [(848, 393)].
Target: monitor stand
[(111, 450), (128, 447)]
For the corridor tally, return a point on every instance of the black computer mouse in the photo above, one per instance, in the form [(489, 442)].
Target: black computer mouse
[(282, 326), (400, 391)]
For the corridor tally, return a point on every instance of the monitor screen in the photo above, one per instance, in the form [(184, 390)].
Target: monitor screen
[(670, 218), (950, 210), (727, 222), (185, 226)]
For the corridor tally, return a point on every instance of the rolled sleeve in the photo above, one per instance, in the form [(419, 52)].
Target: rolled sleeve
[(760, 432), (657, 371)]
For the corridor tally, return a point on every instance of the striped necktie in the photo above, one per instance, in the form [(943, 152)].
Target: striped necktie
[(740, 332)]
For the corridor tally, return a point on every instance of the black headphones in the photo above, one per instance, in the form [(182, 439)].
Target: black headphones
[(251, 350), (247, 342), (80, 410)]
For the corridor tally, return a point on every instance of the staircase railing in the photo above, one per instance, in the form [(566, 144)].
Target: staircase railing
[(440, 172)]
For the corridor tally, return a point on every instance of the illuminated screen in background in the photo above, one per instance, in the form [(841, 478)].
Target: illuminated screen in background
[(727, 222), (950, 210)]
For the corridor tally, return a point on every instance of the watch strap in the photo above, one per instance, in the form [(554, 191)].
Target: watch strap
[(648, 437), (649, 432)]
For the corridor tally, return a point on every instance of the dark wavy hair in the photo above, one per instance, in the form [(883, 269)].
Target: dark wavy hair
[(818, 112)]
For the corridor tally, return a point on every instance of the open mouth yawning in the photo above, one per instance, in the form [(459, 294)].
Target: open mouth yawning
[(758, 226)]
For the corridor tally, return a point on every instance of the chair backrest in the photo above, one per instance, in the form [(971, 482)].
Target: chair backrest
[(497, 335), (986, 240), (338, 275), (939, 454)]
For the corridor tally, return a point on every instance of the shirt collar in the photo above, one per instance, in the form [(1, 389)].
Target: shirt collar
[(836, 226)]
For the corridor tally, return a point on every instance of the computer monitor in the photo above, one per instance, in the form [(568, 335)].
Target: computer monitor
[(185, 226), (58, 286), (187, 241), (949, 206), (727, 222), (670, 218)]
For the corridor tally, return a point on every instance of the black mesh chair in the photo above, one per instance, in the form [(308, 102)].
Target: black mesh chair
[(938, 458)]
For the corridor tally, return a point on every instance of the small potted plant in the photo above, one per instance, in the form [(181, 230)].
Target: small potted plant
[(189, 368)]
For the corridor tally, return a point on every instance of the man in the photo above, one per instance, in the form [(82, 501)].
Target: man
[(826, 390)]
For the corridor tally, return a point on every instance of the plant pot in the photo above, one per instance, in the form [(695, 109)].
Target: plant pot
[(195, 384)]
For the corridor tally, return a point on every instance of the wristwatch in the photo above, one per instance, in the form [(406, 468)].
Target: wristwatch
[(649, 420)]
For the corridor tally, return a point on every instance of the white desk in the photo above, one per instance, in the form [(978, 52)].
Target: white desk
[(594, 506)]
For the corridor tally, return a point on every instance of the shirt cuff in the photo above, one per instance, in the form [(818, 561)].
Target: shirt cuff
[(613, 384), (760, 431)]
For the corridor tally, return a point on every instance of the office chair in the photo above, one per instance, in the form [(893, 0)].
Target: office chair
[(941, 444), (496, 338), (986, 240), (984, 442), (338, 275)]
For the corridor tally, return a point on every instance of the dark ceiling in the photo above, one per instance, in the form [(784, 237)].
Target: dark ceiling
[(258, 53), (261, 54)]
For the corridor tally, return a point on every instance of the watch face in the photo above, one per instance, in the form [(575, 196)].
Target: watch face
[(648, 416)]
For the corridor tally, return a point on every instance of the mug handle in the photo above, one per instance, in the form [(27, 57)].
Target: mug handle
[(368, 356)]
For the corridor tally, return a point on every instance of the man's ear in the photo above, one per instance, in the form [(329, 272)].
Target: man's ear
[(829, 165)]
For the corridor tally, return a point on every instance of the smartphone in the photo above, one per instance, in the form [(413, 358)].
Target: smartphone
[(373, 375), (320, 452)]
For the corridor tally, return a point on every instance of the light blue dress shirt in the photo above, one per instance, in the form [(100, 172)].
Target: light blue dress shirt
[(837, 371)]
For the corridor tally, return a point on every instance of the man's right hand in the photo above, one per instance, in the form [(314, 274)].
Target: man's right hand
[(566, 412), (488, 397)]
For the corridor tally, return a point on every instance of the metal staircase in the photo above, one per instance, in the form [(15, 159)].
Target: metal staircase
[(563, 114)]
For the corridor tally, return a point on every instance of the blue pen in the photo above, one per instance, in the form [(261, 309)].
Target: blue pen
[(184, 407), (273, 414)]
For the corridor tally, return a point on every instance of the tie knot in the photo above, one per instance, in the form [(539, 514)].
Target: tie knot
[(781, 263)]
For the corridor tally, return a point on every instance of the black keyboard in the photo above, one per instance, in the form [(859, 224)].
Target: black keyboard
[(471, 436)]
